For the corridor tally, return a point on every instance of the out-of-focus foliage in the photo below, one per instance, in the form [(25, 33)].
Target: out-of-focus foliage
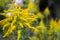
[(4, 3), (23, 24)]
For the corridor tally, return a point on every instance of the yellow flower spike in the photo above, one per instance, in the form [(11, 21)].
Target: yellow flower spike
[(13, 22), (21, 25), (4, 21), (57, 27), (47, 11), (5, 25), (52, 22), (42, 24), (31, 5), (19, 34), (9, 31), (39, 14), (28, 25), (52, 27)]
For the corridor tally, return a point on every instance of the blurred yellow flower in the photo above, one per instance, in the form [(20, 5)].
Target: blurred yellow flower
[(52, 22), (31, 5), (5, 25), (21, 24), (47, 11), (40, 15), (9, 31), (19, 34)]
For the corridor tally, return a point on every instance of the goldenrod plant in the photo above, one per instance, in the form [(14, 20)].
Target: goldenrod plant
[(24, 25)]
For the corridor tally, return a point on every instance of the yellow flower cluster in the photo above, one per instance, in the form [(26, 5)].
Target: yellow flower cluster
[(19, 18)]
